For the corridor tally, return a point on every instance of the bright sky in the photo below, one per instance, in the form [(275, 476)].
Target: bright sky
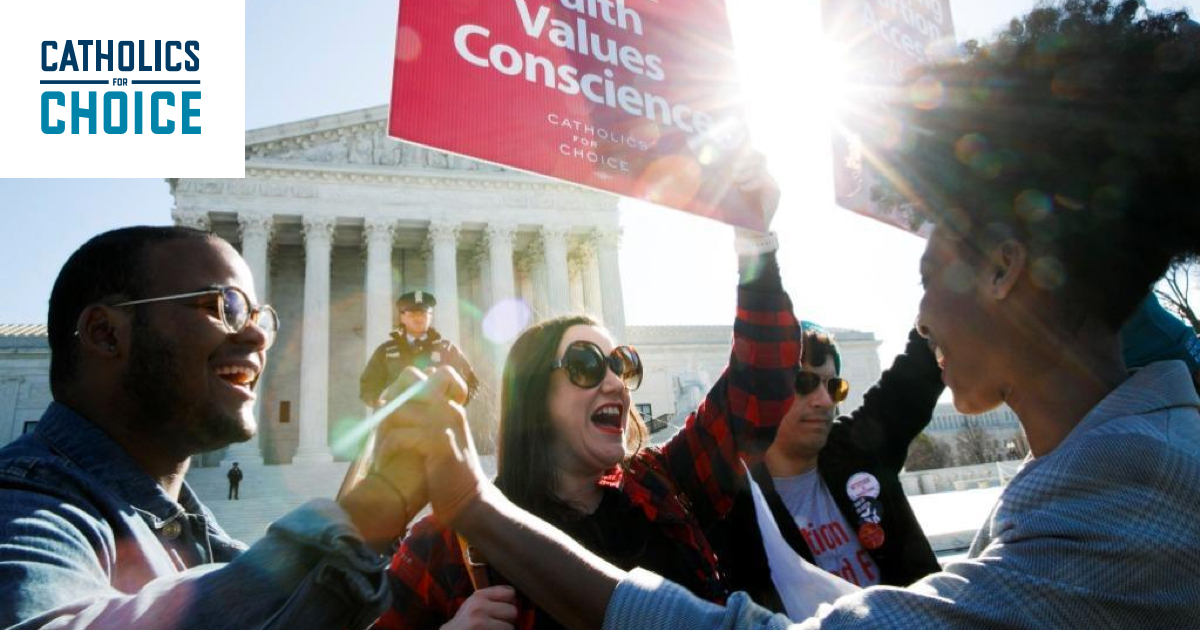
[(308, 58)]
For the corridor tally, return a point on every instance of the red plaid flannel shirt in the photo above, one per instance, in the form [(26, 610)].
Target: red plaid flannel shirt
[(689, 482)]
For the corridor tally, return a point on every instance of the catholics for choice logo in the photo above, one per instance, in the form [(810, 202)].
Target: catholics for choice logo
[(131, 102), (124, 88)]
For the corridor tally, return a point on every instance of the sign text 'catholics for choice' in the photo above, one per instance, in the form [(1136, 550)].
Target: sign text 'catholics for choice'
[(635, 97)]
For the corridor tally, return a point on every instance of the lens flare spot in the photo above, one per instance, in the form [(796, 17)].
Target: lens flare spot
[(671, 181), (344, 441), (890, 133), (408, 44), (467, 308), (707, 154), (989, 165), (975, 151), (1032, 206), (1070, 203), (969, 147), (981, 93), (647, 131), (927, 93), (1047, 273), (506, 319)]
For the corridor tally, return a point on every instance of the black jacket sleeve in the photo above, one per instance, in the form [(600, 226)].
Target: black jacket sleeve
[(897, 408)]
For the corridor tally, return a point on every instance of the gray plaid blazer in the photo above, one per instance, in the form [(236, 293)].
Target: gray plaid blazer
[(1103, 532)]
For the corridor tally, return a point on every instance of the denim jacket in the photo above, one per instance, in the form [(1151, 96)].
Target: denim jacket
[(89, 540)]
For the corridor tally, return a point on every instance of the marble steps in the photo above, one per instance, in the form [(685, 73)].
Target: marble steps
[(265, 494), (268, 492)]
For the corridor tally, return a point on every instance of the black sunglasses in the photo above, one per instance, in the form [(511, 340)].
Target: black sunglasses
[(585, 364), (807, 382)]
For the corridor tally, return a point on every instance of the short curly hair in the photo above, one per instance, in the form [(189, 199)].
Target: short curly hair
[(1076, 132)]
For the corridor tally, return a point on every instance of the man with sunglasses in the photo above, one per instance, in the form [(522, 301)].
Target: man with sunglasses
[(157, 344), (832, 483), (414, 343)]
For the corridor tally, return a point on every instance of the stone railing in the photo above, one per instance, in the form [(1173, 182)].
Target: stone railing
[(959, 478)]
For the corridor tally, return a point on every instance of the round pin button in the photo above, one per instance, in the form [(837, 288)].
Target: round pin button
[(172, 530), (871, 535), (862, 484)]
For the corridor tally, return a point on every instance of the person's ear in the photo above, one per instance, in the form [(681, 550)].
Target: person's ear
[(101, 330), (1007, 261)]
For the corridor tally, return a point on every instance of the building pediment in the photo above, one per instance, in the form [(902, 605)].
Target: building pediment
[(356, 139)]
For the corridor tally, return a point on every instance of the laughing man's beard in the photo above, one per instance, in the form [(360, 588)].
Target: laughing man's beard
[(155, 384)]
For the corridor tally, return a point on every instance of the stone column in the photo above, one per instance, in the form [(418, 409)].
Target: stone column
[(554, 247), (443, 240), (256, 230), (575, 261), (191, 218), (610, 281), (592, 294), (482, 260), (426, 252), (314, 355), (378, 234), (538, 279), (479, 271), (524, 267), (500, 260)]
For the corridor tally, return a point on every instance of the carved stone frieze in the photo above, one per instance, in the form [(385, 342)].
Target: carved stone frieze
[(554, 232), (361, 144), (241, 188), (444, 232), (583, 251), (501, 234), (191, 218), (318, 229), (256, 225), (609, 237), (380, 231)]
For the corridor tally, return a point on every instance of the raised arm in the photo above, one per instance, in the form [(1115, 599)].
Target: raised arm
[(897, 408), (738, 416)]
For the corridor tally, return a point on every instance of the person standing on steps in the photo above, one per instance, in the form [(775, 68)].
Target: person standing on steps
[(235, 478)]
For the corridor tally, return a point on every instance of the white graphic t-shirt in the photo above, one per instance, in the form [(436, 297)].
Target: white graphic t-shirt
[(833, 542)]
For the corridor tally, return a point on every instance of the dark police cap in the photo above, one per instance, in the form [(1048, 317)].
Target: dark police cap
[(416, 300)]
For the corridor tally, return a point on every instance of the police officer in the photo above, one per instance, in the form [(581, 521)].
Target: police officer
[(414, 343)]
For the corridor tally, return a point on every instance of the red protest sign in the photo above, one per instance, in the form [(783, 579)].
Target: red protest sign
[(881, 41), (636, 97)]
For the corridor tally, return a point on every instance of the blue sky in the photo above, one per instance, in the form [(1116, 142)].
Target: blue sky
[(308, 58)]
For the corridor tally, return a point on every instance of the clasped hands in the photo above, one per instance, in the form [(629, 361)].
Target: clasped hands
[(425, 439)]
